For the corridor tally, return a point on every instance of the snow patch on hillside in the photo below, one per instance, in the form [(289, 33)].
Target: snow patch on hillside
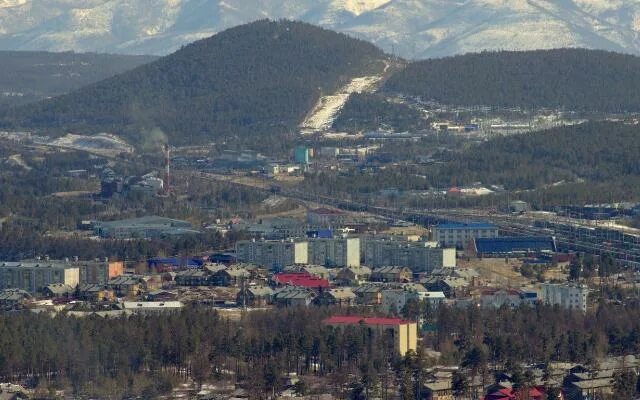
[(326, 110)]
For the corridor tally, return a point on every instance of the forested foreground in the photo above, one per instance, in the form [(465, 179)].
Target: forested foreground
[(141, 355)]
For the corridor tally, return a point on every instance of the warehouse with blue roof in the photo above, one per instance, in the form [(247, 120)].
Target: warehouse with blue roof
[(514, 246)]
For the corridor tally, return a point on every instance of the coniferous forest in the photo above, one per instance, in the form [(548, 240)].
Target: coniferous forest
[(147, 355), (571, 79), (257, 81)]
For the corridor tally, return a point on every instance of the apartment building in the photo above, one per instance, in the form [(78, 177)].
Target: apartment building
[(459, 235), (273, 254), (569, 296), (334, 252), (418, 256), (34, 276)]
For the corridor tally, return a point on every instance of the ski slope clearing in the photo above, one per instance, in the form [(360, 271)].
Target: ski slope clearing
[(326, 110)]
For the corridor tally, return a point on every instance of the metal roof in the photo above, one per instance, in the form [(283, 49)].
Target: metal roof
[(470, 225)]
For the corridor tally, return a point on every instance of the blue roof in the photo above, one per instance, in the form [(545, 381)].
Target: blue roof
[(190, 262), (320, 233), (519, 244), (471, 225)]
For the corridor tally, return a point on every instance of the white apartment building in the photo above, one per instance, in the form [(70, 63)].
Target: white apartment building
[(570, 296), (418, 256), (459, 235), (273, 254), (335, 252), (34, 275)]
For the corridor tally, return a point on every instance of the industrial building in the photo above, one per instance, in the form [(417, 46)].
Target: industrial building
[(418, 256), (273, 254), (326, 217), (569, 296), (459, 235), (404, 333), (34, 276), (148, 227), (514, 246), (334, 252)]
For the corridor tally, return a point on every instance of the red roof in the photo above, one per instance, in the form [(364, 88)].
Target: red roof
[(510, 394), (301, 279), (354, 320)]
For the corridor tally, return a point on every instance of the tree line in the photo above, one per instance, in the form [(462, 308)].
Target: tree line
[(570, 79), (96, 356)]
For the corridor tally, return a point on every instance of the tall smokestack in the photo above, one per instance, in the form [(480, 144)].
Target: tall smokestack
[(167, 159)]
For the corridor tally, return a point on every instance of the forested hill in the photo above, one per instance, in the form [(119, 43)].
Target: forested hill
[(594, 152), (573, 79), (252, 81), (29, 76)]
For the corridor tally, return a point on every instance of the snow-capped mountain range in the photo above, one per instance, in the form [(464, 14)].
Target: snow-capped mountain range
[(410, 28)]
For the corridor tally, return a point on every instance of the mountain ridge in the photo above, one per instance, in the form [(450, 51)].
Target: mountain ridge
[(255, 82), (413, 29)]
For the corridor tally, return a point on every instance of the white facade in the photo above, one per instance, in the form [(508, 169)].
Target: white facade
[(569, 296), (272, 253), (33, 276), (418, 256), (335, 252), (459, 235)]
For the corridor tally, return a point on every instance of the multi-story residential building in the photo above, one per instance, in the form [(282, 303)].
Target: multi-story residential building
[(33, 276), (335, 252), (418, 256), (405, 333), (99, 271), (273, 254), (459, 235), (570, 296)]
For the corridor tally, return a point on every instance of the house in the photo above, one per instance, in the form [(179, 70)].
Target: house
[(353, 276), (314, 270), (161, 295), (192, 277), (290, 296), (95, 292), (450, 286), (300, 279), (403, 333), (369, 294), (496, 298), (255, 296), (509, 393), (58, 290), (391, 274), (589, 384), (343, 297), (438, 390), (232, 276), (127, 285), (11, 299), (9, 391)]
